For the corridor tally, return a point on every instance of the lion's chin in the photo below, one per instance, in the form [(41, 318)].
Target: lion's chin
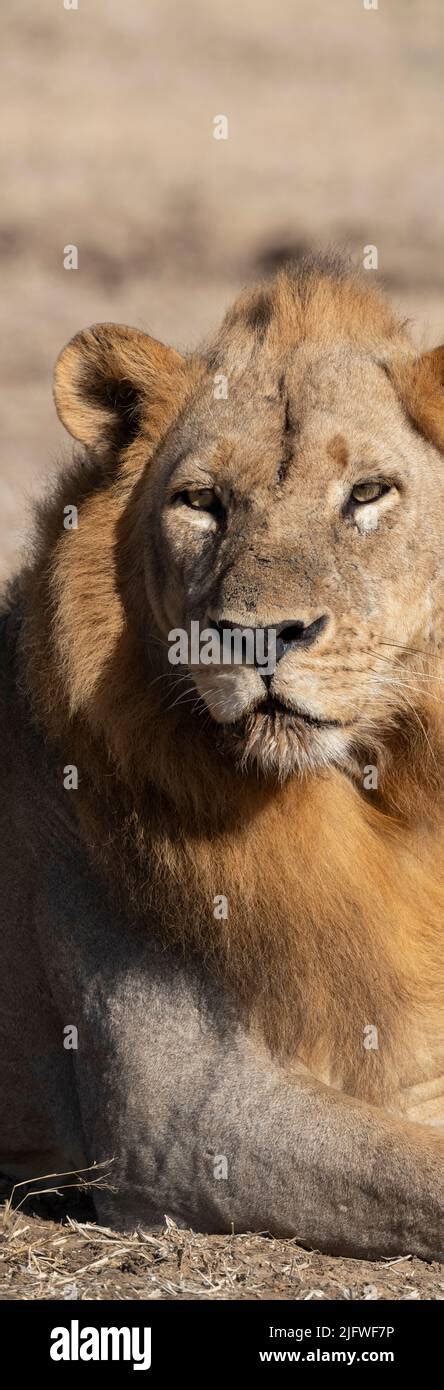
[(281, 745)]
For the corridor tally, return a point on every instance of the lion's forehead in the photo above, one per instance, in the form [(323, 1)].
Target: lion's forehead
[(241, 424)]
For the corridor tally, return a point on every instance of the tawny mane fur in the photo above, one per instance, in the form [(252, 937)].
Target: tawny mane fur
[(335, 905)]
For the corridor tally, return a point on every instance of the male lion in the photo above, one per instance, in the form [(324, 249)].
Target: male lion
[(222, 891)]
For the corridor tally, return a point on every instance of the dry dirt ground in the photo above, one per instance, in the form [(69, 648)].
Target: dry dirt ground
[(78, 1260), (334, 137)]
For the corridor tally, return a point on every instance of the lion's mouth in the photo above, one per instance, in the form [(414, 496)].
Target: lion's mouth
[(279, 739), (274, 708)]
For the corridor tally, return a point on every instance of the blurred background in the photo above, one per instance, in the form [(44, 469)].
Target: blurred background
[(335, 137)]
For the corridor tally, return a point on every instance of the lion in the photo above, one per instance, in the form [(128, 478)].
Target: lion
[(222, 973)]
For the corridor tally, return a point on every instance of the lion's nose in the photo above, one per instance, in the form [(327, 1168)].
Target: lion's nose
[(271, 643), (297, 633)]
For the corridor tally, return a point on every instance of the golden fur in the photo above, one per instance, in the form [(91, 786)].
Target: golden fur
[(335, 893)]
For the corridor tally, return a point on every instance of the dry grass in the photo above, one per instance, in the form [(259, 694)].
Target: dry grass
[(43, 1259)]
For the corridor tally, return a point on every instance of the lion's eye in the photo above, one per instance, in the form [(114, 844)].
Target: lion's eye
[(203, 498), (368, 492)]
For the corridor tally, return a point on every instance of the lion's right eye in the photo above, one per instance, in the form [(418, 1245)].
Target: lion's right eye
[(201, 499)]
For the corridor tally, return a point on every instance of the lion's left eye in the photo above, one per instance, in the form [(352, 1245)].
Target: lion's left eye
[(204, 498), (369, 492)]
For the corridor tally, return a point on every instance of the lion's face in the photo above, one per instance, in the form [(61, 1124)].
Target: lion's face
[(298, 504), (295, 488)]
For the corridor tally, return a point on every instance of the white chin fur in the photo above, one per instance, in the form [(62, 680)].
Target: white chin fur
[(285, 750), (272, 746)]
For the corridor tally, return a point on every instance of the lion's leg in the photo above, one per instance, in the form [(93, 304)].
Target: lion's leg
[(226, 1141), (201, 1123)]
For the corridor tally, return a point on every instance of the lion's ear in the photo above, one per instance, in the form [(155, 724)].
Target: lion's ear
[(420, 385), (109, 377)]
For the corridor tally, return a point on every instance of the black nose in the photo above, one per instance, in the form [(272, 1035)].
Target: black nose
[(288, 637), (276, 641), (296, 633)]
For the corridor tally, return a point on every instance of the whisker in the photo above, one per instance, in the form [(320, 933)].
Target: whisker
[(416, 651), (168, 676), (425, 676), (404, 685), (159, 641), (186, 697), (419, 721)]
